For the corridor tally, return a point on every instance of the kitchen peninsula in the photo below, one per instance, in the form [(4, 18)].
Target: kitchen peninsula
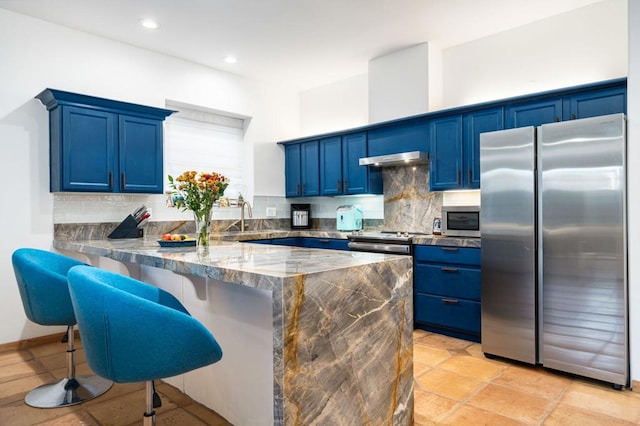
[(341, 329)]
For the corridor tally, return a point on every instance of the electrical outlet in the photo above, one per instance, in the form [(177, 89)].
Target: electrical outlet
[(271, 212)]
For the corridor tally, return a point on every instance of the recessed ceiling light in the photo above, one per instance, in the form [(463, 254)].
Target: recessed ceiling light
[(149, 24), (230, 59)]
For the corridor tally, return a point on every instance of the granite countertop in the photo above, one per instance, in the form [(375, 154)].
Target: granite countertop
[(230, 261)]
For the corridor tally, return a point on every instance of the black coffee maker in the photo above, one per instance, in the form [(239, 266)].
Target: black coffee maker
[(300, 216)]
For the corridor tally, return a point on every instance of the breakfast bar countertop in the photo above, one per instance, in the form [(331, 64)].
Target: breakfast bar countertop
[(342, 321)]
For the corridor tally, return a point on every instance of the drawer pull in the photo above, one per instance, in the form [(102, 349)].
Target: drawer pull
[(449, 269), (449, 248), (323, 240), (451, 301)]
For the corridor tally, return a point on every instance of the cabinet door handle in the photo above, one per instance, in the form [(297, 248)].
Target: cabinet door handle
[(297, 189), (303, 189), (469, 177), (449, 248), (458, 178), (450, 301), (344, 186), (124, 181), (573, 116), (556, 119), (449, 269), (110, 180), (338, 185)]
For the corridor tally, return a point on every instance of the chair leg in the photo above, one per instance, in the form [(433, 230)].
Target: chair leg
[(71, 390), (149, 414)]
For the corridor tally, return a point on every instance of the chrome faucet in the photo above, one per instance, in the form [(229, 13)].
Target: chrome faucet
[(244, 203)]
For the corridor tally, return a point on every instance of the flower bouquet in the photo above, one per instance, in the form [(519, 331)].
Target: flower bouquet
[(197, 191)]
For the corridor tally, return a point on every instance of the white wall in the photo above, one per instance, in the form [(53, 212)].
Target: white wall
[(633, 191), (582, 46), (34, 55), (336, 106)]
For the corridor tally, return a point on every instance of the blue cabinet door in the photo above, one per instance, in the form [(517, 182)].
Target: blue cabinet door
[(87, 160), (310, 168), (140, 152), (292, 170), (533, 113), (331, 181), (446, 153), (356, 177), (407, 136), (595, 103), (475, 123)]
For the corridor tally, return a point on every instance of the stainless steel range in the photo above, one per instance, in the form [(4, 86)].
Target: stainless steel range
[(394, 242)]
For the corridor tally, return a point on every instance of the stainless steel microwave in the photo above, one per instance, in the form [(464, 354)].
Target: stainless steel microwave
[(461, 221)]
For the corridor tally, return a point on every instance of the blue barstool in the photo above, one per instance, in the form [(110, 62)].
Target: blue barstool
[(134, 332), (42, 281)]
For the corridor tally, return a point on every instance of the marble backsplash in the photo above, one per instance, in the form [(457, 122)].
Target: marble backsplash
[(408, 203)]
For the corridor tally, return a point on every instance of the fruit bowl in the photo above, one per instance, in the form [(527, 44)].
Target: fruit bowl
[(188, 242)]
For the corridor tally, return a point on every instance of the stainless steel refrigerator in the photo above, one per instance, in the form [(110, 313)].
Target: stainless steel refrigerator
[(554, 246)]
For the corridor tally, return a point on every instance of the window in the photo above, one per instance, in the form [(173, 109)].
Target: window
[(204, 140)]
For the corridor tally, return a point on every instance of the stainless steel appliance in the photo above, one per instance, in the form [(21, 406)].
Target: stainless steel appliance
[(300, 216), (461, 221), (554, 285), (393, 242)]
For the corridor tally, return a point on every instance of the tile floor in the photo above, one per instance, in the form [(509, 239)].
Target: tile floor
[(455, 385)]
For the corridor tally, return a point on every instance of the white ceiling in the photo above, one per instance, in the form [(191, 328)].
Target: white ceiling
[(303, 43)]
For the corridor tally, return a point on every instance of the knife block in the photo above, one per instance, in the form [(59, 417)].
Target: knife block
[(128, 228)]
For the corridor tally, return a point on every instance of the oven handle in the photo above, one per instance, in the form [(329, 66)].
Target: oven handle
[(380, 248)]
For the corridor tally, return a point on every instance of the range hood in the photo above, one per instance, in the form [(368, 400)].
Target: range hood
[(400, 159)]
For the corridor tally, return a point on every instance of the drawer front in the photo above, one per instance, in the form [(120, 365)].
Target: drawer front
[(326, 243), (448, 312), (444, 280), (445, 254)]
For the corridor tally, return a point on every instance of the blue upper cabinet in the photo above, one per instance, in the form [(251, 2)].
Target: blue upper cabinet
[(302, 169), (331, 181), (340, 169), (101, 145), (455, 148), (358, 179), (534, 113), (412, 135), (475, 123), (446, 153), (595, 103)]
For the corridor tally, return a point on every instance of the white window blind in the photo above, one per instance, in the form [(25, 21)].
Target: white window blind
[(205, 142)]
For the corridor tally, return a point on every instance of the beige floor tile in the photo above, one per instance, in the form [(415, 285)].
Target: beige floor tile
[(17, 370), (470, 416), (443, 342), (429, 355), (420, 368), (20, 414), (448, 384), (211, 418), (76, 418), (619, 404), (124, 410), (417, 333), (533, 380), (429, 408), (475, 350), (52, 348), (481, 369), (566, 415), (511, 403), (11, 357), (17, 389), (179, 416)]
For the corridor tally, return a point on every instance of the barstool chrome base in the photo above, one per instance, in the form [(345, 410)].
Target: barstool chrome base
[(68, 392)]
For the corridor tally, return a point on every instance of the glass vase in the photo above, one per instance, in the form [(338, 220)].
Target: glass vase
[(203, 231)]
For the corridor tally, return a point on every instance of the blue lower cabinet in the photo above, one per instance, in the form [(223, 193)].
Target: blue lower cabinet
[(448, 313), (447, 290), (309, 242)]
